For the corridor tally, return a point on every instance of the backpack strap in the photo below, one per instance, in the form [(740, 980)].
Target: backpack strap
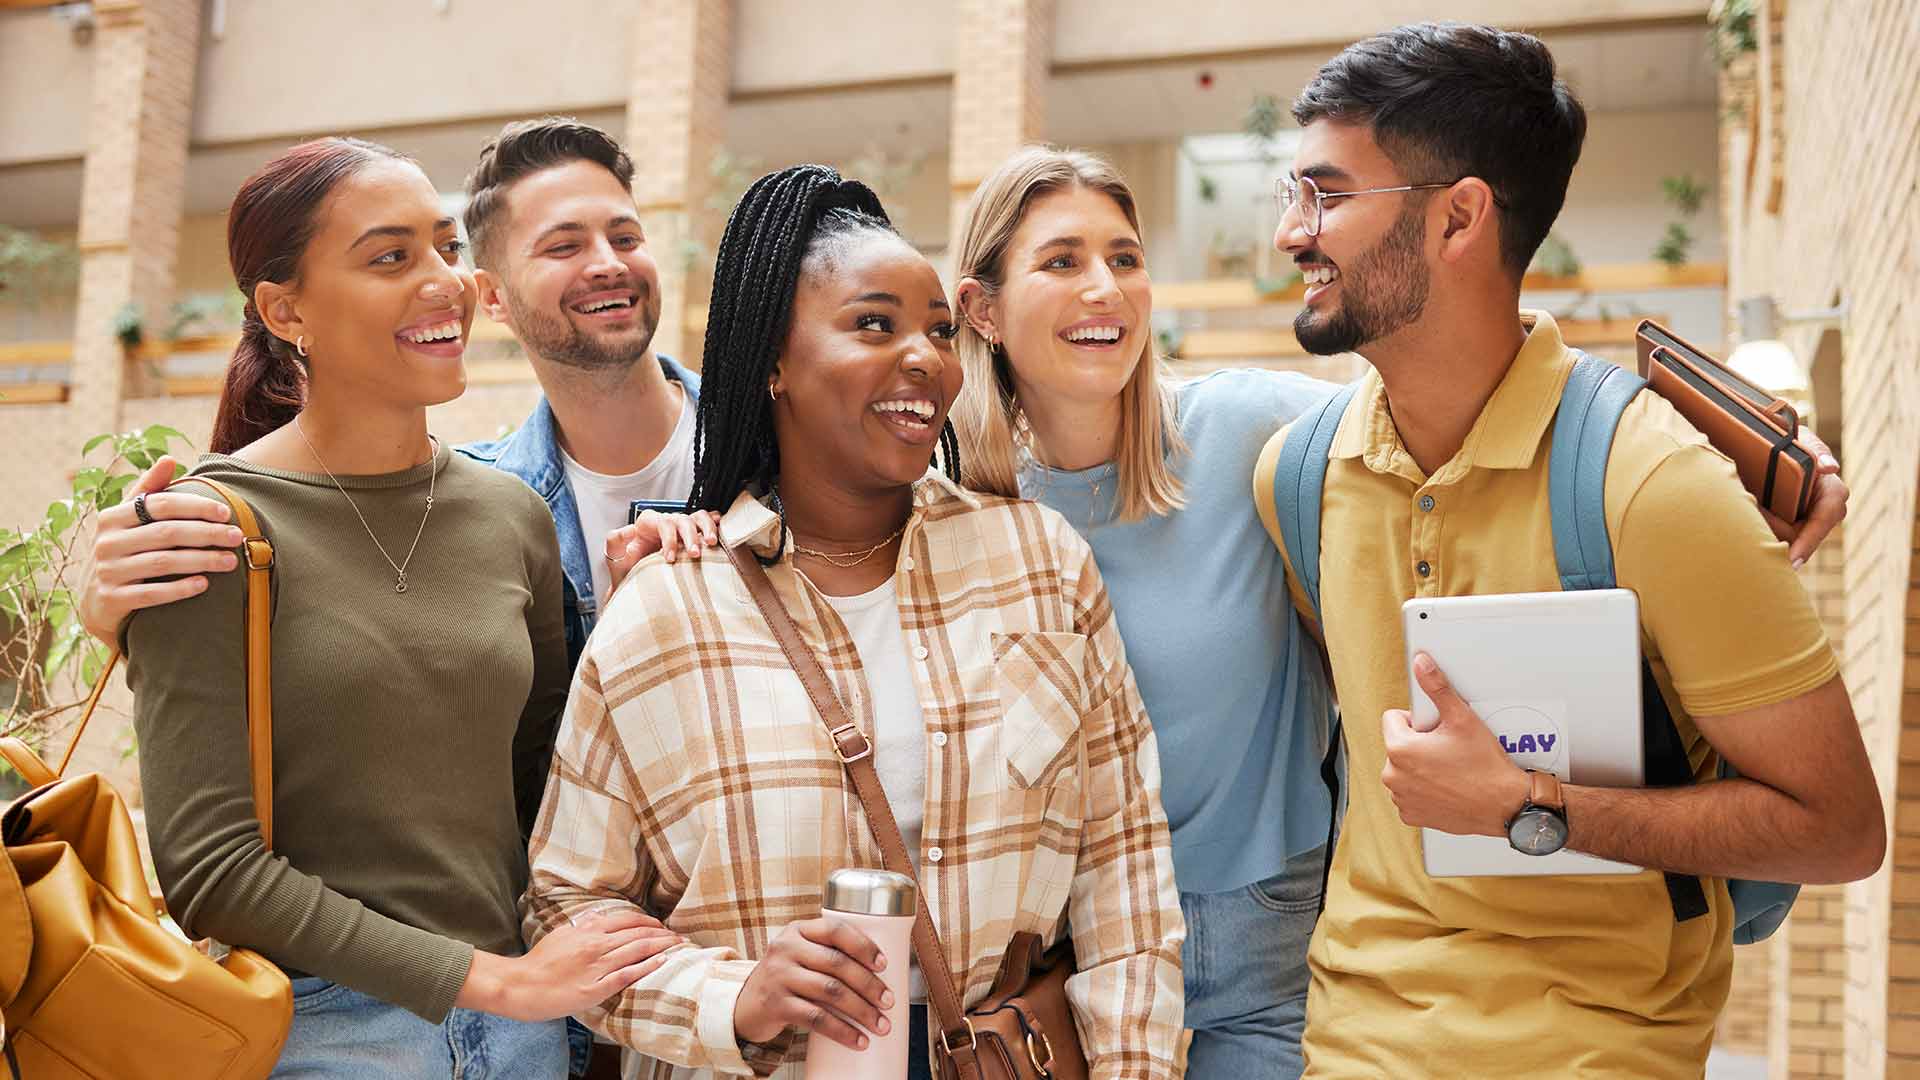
[(1299, 477), (1596, 395)]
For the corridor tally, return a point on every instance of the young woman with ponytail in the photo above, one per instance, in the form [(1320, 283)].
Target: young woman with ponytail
[(419, 659), (969, 636)]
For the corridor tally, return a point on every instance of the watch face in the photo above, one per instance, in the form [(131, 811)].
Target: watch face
[(1537, 832)]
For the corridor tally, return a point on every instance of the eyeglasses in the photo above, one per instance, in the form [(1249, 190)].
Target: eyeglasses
[(1303, 193)]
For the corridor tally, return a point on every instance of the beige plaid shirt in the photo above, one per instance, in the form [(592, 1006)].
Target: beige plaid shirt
[(693, 778)]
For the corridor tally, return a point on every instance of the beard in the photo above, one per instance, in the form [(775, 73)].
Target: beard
[(1383, 291), (553, 336)]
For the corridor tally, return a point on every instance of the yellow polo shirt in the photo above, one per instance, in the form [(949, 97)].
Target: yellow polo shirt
[(1520, 976)]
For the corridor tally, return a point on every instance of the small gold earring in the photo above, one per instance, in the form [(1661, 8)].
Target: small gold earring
[(300, 344), (772, 393)]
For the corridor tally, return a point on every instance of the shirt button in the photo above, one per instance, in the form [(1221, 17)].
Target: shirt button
[(939, 738), (934, 854), (919, 652), (1426, 503), (1424, 568), (906, 563)]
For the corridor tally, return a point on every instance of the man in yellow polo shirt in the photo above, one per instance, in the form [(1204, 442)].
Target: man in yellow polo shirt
[(1433, 160)]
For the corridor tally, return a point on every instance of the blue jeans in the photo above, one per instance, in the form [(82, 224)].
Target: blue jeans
[(1246, 973), (342, 1034)]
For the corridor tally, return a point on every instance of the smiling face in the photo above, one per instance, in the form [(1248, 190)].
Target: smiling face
[(576, 282), (380, 297), (867, 372), (1075, 301), (1367, 272)]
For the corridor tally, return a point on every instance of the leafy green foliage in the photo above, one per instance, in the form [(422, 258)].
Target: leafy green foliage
[(1686, 195), (204, 313), (1735, 29), (1262, 123), (33, 268), (128, 325), (1556, 257), (48, 660)]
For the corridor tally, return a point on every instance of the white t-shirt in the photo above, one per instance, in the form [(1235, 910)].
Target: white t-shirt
[(900, 735), (602, 499)]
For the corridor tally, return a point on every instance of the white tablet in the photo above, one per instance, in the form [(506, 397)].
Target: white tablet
[(1557, 677)]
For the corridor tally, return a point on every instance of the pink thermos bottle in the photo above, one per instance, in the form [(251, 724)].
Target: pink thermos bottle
[(881, 905)]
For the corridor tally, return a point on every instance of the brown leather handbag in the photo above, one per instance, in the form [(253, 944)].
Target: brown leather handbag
[(95, 982), (1023, 1029)]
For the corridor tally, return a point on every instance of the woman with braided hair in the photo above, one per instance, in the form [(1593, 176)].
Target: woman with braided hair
[(969, 636)]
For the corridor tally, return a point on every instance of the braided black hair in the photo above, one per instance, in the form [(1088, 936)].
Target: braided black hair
[(785, 223)]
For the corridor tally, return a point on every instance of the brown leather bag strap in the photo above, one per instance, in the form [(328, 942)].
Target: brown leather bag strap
[(855, 751), (257, 555)]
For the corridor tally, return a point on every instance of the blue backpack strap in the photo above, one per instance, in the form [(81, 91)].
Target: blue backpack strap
[(1299, 477), (1596, 395), (1590, 406)]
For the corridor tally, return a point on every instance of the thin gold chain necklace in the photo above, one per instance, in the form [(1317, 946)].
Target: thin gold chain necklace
[(433, 462), (853, 558)]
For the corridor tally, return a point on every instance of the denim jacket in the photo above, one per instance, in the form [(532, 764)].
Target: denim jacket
[(532, 453)]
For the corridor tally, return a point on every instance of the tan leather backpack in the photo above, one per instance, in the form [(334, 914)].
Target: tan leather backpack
[(95, 982)]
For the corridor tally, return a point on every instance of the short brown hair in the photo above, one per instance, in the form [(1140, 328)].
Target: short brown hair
[(522, 148)]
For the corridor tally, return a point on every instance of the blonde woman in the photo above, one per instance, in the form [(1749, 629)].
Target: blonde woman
[(1066, 402)]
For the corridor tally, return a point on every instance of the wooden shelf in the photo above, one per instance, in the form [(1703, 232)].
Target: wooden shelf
[(33, 393), (35, 353)]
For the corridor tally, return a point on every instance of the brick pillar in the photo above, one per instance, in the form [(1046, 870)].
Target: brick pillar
[(1808, 958), (1903, 944), (682, 70), (1001, 53), (133, 191)]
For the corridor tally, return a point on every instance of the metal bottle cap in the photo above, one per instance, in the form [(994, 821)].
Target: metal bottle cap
[(870, 892)]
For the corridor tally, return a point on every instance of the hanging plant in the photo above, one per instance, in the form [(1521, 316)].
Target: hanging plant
[(1735, 30), (1555, 257), (1686, 195), (33, 268), (1262, 124), (127, 326)]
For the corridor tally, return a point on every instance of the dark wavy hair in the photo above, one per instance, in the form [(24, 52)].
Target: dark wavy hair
[(1450, 100), (523, 148)]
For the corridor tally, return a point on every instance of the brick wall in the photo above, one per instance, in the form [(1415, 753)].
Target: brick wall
[(999, 90), (676, 115), (1822, 177)]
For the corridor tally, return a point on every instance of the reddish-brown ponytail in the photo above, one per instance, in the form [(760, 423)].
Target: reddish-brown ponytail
[(273, 217)]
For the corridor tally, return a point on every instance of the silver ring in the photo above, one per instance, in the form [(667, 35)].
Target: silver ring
[(140, 509)]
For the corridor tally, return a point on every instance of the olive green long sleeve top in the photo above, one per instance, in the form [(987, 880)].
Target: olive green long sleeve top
[(412, 731)]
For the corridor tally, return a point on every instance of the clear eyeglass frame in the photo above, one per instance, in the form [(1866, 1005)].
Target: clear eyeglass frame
[(1289, 192)]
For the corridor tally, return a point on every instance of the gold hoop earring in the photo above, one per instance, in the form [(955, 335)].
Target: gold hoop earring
[(772, 394), (300, 344)]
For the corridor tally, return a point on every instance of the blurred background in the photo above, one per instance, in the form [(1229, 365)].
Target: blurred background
[(1751, 178)]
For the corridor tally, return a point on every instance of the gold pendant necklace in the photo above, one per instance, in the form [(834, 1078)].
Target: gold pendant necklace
[(433, 462)]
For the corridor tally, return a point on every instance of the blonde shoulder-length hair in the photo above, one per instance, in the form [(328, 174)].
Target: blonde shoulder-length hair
[(984, 415)]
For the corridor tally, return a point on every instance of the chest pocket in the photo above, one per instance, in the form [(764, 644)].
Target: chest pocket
[(1038, 677)]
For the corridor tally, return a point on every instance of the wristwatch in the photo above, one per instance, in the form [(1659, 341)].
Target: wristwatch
[(1540, 828)]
